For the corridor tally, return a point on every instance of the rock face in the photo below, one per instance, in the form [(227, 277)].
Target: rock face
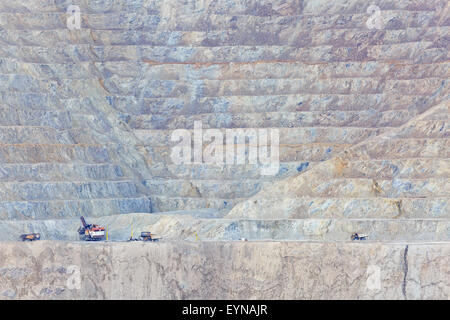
[(361, 101), (91, 111), (224, 270), (371, 182)]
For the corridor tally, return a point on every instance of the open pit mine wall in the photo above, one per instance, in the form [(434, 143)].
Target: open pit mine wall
[(224, 270)]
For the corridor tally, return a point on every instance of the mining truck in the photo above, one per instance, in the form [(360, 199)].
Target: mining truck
[(30, 237), (357, 236), (148, 236), (90, 232)]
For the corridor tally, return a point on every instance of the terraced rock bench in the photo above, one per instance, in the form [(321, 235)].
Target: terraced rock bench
[(86, 115)]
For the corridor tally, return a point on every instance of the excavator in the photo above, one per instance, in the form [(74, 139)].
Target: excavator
[(90, 232)]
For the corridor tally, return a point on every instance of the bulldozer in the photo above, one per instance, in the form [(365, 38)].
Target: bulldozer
[(90, 232), (30, 237)]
